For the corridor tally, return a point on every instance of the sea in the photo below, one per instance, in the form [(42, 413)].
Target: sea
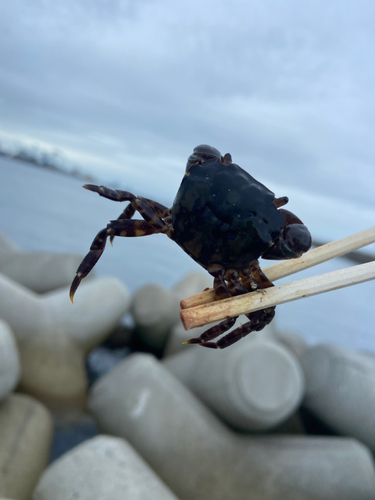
[(42, 210)]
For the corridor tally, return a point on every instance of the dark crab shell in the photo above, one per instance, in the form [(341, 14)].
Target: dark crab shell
[(222, 215)]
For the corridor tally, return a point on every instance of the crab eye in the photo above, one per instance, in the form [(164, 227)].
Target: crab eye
[(297, 239), (192, 160), (201, 154)]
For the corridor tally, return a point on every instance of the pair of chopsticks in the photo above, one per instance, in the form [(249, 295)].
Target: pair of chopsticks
[(200, 309)]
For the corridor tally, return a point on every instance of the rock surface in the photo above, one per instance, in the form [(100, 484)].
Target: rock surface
[(153, 308), (340, 390), (198, 457), (39, 271), (102, 468), (25, 437), (70, 430), (9, 361), (156, 309), (254, 385), (54, 336), (192, 283), (292, 341), (7, 247)]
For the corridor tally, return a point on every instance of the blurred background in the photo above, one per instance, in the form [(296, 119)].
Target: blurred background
[(120, 92)]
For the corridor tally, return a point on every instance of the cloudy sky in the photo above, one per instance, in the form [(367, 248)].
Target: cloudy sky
[(127, 88)]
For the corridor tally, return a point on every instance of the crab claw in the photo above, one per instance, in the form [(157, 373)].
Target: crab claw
[(201, 343), (92, 187), (96, 250), (193, 341), (83, 270), (75, 284)]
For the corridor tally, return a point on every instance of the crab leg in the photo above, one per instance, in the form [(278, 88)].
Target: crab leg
[(259, 275), (257, 321), (137, 202), (220, 287), (234, 284), (160, 210), (114, 228), (212, 333), (144, 206), (152, 211)]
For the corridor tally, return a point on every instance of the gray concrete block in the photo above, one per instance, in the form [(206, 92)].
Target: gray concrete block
[(177, 336), (25, 442), (312, 468), (41, 271), (200, 459), (292, 341), (7, 247), (154, 309), (15, 298), (54, 336), (9, 361), (102, 468), (192, 283), (38, 271), (97, 309), (340, 390), (255, 385)]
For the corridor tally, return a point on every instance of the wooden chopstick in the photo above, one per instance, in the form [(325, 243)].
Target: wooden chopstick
[(287, 267), (261, 299), (199, 310)]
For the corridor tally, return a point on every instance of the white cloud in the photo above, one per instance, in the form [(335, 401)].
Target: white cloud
[(129, 88)]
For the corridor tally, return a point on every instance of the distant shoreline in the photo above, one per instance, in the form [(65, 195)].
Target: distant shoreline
[(45, 161)]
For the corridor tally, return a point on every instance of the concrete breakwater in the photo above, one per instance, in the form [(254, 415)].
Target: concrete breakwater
[(269, 418)]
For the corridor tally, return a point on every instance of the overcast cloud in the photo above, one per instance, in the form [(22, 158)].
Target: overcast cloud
[(127, 89)]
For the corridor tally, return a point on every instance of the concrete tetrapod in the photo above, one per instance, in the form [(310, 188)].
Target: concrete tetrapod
[(190, 284), (102, 468), (25, 443), (340, 390), (255, 385), (9, 361), (54, 336), (155, 309), (294, 342), (41, 272), (7, 247), (38, 271), (199, 458)]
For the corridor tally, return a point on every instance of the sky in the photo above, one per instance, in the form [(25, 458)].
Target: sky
[(126, 89)]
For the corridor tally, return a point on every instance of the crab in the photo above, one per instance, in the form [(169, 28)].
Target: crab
[(222, 218)]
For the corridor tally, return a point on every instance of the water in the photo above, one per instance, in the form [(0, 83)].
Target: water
[(43, 210)]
